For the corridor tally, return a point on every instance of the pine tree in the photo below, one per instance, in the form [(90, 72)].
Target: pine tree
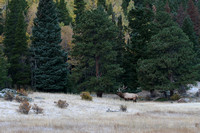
[(194, 16), (120, 42), (10, 27), (142, 27), (79, 6), (188, 29), (181, 15), (170, 61), (4, 79), (50, 67), (19, 60), (63, 13), (15, 43), (95, 40)]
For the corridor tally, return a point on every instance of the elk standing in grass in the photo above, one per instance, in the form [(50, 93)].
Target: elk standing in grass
[(127, 96)]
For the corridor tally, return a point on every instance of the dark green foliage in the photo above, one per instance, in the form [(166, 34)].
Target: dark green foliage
[(125, 4), (188, 29), (15, 43), (110, 9), (111, 12), (163, 20), (101, 3), (19, 60), (50, 67), (120, 46), (181, 15), (4, 79), (160, 5), (142, 26), (79, 6), (95, 40), (63, 13), (170, 61)]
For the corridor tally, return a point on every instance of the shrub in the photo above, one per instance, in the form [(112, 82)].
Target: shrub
[(22, 92), (123, 108), (86, 96), (24, 107), (9, 96), (20, 99), (62, 104), (37, 109), (175, 97)]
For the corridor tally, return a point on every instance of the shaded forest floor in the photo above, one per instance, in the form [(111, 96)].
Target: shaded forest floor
[(92, 116)]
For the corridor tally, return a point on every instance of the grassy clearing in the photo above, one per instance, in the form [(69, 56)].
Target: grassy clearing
[(91, 116)]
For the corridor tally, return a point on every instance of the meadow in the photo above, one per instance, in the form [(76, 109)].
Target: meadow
[(92, 116)]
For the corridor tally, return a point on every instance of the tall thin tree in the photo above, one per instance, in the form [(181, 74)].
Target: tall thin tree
[(50, 67)]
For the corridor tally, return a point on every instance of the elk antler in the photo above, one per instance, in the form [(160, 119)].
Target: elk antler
[(120, 89)]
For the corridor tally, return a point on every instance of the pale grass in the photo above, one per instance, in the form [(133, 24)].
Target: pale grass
[(91, 116)]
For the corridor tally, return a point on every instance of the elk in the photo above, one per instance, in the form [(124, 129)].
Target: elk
[(127, 96)]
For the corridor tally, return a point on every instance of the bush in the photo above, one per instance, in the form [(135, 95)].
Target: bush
[(24, 107), (37, 109), (86, 96), (175, 97), (62, 104), (9, 96), (123, 108), (20, 99), (22, 92)]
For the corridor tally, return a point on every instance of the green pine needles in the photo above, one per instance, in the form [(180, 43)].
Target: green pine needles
[(15, 43), (50, 67), (96, 41)]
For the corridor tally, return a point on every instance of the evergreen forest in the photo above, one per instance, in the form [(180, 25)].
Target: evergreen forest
[(73, 46)]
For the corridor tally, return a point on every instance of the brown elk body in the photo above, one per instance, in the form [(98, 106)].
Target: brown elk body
[(127, 96)]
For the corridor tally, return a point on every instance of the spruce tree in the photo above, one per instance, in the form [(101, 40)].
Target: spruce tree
[(10, 27), (170, 62), (15, 43), (188, 29), (79, 6), (142, 27), (95, 40), (63, 13), (19, 60), (50, 67)]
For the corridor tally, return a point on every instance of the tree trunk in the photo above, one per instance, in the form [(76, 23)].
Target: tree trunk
[(171, 93), (152, 93), (97, 66), (99, 93)]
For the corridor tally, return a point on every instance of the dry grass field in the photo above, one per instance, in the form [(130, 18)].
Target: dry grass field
[(91, 117)]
